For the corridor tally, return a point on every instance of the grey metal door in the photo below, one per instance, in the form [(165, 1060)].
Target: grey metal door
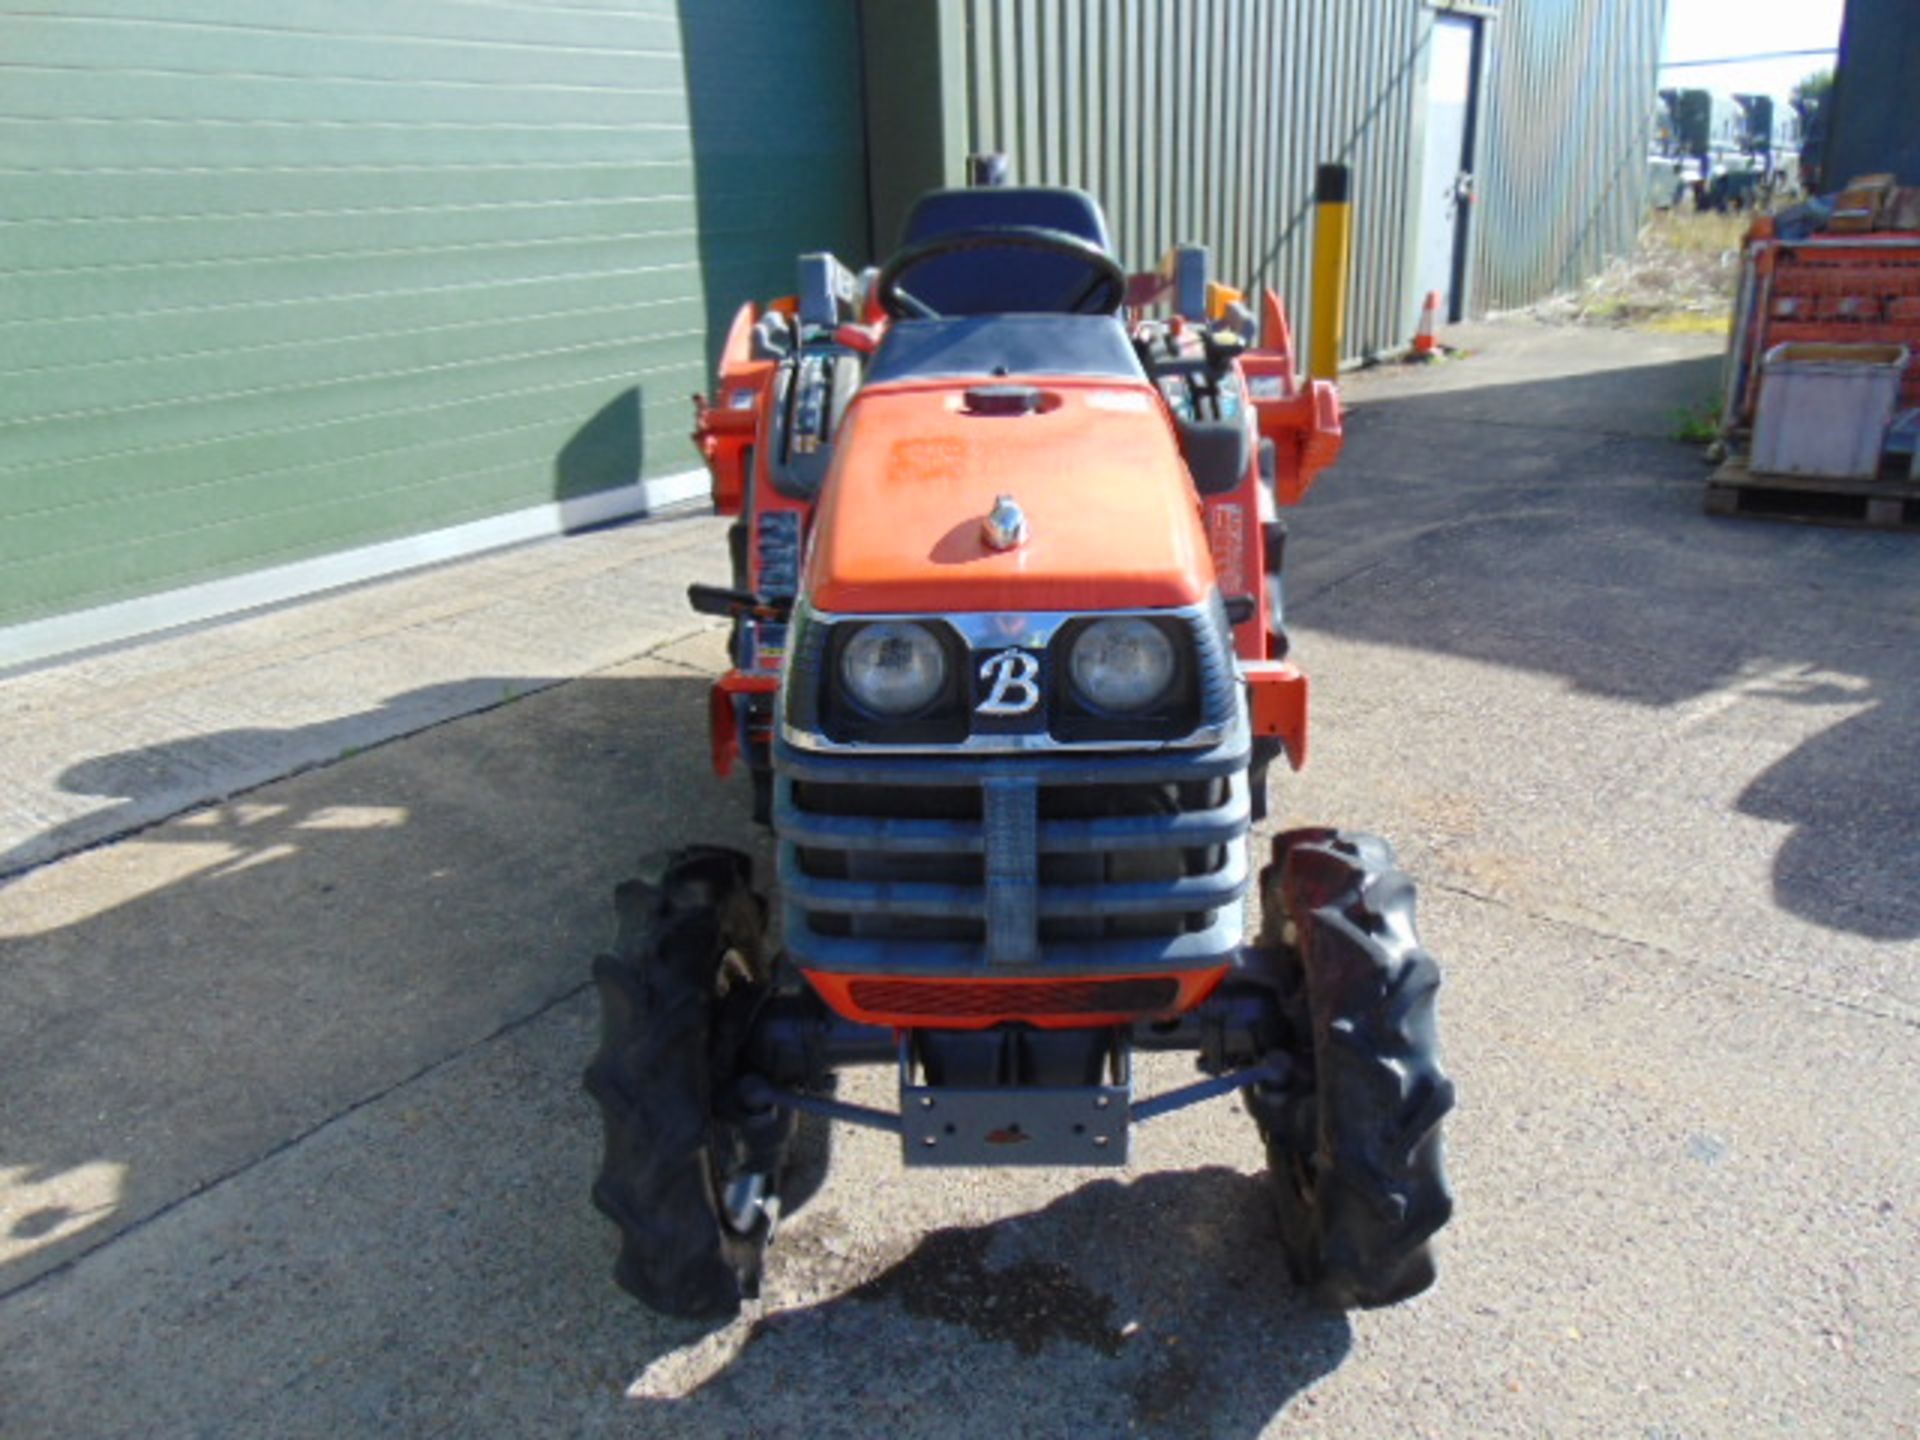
[(1446, 174)]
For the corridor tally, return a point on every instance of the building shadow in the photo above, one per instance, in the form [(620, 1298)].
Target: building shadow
[(1554, 526), (155, 782), (604, 457), (776, 167), (779, 145), (1851, 798), (345, 1014), (253, 967)]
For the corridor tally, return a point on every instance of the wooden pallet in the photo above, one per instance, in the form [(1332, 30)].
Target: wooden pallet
[(1887, 503)]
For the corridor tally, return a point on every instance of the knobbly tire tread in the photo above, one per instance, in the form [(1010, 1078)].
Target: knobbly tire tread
[(655, 1074), (1365, 993)]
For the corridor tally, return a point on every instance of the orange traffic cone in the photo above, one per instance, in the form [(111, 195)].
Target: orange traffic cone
[(1426, 345)]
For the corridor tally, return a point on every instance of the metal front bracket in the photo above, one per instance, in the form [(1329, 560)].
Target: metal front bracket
[(941, 1125), (1014, 1125), (1029, 1125)]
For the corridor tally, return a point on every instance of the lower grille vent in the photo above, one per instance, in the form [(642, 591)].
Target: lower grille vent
[(1052, 997)]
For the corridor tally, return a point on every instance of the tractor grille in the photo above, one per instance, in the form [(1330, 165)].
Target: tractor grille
[(1136, 869), (974, 999)]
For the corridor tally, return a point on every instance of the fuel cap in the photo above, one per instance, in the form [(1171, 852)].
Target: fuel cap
[(1005, 527)]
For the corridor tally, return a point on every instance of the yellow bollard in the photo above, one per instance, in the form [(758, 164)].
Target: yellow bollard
[(1332, 254)]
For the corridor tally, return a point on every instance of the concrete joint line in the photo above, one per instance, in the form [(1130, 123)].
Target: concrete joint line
[(1897, 1016)]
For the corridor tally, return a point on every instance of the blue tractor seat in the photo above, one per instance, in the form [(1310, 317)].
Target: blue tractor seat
[(996, 281), (1051, 207)]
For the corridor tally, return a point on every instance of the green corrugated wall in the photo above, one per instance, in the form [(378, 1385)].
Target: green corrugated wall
[(279, 280)]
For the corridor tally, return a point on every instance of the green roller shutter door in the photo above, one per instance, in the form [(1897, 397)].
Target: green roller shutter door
[(284, 280)]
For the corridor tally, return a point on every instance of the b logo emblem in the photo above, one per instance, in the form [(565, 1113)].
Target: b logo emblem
[(1012, 674)]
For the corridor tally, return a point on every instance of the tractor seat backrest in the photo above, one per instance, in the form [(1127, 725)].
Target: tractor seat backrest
[(1052, 207), (1001, 281)]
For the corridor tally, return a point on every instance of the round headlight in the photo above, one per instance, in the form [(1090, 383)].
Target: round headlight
[(1122, 665), (893, 668)]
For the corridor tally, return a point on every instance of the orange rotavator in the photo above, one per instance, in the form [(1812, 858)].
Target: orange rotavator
[(1008, 672)]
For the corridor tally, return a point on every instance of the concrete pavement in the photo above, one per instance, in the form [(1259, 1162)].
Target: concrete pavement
[(109, 742), (290, 1139)]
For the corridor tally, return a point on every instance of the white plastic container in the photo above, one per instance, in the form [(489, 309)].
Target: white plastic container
[(1824, 409)]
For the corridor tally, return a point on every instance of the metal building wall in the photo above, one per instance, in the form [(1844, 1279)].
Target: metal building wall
[(1874, 123), (1563, 156), (1204, 119), (280, 285)]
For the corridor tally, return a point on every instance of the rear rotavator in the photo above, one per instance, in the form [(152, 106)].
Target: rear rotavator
[(1009, 670)]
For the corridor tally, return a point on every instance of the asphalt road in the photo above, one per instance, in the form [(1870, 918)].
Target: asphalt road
[(291, 1141)]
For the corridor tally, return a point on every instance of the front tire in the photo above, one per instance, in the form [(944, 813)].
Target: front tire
[(1353, 1140), (690, 1179)]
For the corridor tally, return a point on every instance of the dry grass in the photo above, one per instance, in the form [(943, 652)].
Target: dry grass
[(1681, 279), (1686, 232)]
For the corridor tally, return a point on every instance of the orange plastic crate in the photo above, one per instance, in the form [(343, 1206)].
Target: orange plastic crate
[(1830, 291)]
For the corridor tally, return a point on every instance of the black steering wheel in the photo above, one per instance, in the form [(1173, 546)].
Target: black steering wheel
[(1105, 287)]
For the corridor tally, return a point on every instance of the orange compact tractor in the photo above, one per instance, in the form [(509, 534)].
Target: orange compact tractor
[(1008, 672)]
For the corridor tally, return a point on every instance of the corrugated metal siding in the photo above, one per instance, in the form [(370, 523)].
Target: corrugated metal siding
[(281, 280), (1204, 120), (1563, 158)]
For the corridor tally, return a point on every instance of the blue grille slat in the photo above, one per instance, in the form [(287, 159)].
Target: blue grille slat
[(948, 958), (1049, 767), (924, 897), (854, 832), (1221, 826), (1189, 828), (1147, 897), (879, 897)]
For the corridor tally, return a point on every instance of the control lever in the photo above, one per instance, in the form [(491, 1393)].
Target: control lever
[(737, 604)]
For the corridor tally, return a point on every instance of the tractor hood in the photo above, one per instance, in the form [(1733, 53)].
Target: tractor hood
[(1112, 519)]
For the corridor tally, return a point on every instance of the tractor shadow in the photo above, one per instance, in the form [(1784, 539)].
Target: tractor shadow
[(1554, 526), (1157, 1304)]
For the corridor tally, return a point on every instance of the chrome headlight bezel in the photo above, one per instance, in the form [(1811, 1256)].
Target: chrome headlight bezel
[(846, 717), (856, 662), (1096, 676), (1173, 712)]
